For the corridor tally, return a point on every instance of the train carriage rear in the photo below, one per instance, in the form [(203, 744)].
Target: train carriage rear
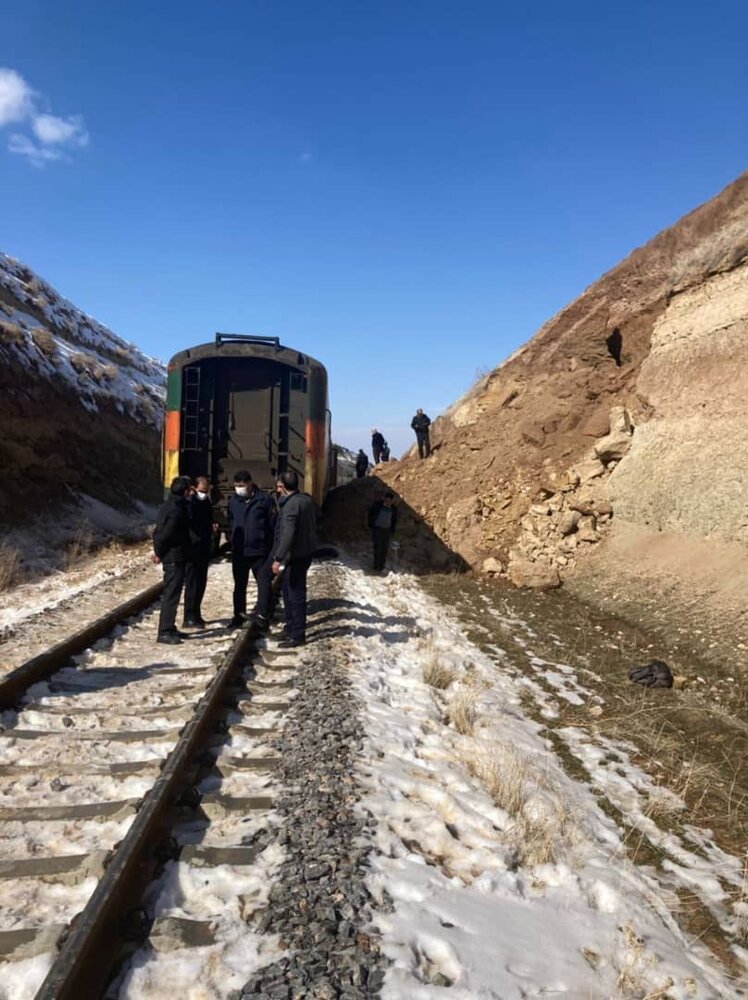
[(247, 402)]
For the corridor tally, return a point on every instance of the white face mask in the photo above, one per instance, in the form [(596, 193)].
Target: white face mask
[(241, 491), (202, 496)]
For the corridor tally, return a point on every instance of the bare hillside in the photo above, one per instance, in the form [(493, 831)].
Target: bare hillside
[(80, 408), (615, 438)]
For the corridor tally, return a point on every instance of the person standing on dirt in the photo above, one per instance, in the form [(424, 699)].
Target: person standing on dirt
[(171, 549), (382, 519), (362, 463), (297, 542), (420, 424), (377, 444), (251, 536), (385, 452), (202, 534)]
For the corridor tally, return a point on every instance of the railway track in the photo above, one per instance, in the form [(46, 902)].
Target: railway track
[(129, 778)]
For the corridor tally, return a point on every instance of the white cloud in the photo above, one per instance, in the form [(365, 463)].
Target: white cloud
[(16, 97), (53, 136), (51, 130)]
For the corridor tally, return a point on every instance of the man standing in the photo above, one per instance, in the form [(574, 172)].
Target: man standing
[(250, 534), (362, 463), (202, 530), (382, 522), (377, 444), (171, 548), (297, 541), (420, 424), (385, 452)]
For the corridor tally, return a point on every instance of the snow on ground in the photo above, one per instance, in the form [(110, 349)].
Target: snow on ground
[(69, 345), (498, 875)]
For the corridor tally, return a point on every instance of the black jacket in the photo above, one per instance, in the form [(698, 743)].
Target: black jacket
[(362, 462), (420, 424), (374, 510), (250, 524), (171, 536), (201, 525), (377, 441), (297, 534)]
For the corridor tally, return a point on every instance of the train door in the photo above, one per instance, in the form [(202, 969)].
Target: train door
[(298, 409)]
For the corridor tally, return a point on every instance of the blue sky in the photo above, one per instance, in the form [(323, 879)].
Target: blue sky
[(404, 190)]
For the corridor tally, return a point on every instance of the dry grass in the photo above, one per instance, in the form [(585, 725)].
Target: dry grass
[(11, 568), (80, 548), (631, 983), (44, 341), (462, 711), (11, 333), (82, 362), (437, 674), (542, 827)]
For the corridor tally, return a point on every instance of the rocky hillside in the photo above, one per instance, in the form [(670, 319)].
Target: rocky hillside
[(80, 408), (623, 418)]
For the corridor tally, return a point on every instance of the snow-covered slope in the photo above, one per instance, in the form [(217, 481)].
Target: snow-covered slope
[(49, 336)]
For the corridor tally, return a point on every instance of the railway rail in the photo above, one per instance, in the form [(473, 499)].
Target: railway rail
[(102, 763)]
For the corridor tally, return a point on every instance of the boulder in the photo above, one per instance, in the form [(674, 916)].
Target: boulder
[(613, 446), (532, 434), (492, 566), (620, 420), (538, 575), (588, 468), (569, 522)]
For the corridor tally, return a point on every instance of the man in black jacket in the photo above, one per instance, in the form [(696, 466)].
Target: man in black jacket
[(202, 529), (171, 548), (362, 463), (296, 544), (382, 522), (420, 424), (377, 444), (251, 536)]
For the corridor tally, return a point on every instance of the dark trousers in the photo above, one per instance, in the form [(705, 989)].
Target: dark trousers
[(424, 445), (294, 597), (173, 582), (241, 566), (377, 455), (381, 538), (195, 582)]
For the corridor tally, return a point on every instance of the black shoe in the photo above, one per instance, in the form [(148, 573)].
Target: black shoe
[(169, 639), (291, 643), (236, 622), (259, 623), (193, 623)]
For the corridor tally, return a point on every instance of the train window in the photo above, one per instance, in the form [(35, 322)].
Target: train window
[(297, 382)]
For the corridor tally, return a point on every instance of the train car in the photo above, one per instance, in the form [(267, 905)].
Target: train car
[(247, 402)]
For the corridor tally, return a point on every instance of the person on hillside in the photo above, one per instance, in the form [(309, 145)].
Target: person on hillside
[(251, 536), (202, 533), (362, 463), (385, 452), (420, 424), (171, 549), (377, 443), (382, 519), (297, 542)]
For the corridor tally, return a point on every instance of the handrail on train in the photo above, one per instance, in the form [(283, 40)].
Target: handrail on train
[(247, 338)]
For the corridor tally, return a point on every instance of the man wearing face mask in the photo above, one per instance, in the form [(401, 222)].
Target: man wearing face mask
[(293, 550), (250, 534), (202, 529), (171, 548)]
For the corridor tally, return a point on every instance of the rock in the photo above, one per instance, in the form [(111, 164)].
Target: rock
[(532, 434), (569, 522), (534, 575), (603, 508), (587, 529), (613, 447), (620, 420), (597, 425), (588, 468), (540, 508), (492, 566)]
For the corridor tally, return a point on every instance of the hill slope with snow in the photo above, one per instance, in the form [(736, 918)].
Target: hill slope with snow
[(80, 407)]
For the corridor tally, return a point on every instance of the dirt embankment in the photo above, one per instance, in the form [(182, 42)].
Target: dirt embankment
[(609, 452), (80, 408)]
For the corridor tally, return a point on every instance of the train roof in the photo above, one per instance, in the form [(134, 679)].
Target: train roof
[(245, 345)]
